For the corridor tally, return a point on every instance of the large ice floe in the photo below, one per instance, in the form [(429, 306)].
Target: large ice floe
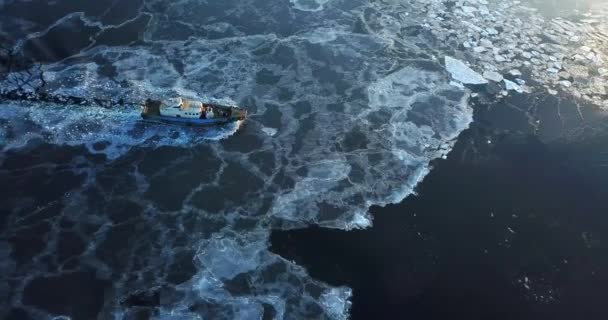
[(348, 104)]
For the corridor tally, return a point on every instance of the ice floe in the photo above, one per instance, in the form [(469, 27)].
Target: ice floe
[(510, 85), (493, 76), (463, 73), (270, 131)]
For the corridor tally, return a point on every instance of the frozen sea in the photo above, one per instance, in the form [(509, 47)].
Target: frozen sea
[(352, 105)]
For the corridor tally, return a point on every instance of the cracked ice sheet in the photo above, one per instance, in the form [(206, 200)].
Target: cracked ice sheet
[(358, 118)]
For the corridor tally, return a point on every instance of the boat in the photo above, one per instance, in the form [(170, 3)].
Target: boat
[(191, 112)]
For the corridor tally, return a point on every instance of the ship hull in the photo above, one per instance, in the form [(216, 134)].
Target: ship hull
[(188, 121)]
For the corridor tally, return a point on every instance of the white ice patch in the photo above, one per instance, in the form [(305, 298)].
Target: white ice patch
[(360, 220), (493, 76), (462, 72), (225, 257), (270, 131), (337, 302), (309, 5)]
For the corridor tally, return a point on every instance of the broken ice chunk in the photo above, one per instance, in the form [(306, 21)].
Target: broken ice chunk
[(486, 43), (578, 57), (492, 75), (491, 31), (515, 73), (557, 65), (270, 131), (456, 84), (499, 58), (468, 10), (461, 72), (510, 85)]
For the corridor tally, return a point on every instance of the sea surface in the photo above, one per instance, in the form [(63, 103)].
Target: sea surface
[(367, 182)]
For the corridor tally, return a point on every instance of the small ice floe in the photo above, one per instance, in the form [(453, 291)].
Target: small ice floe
[(486, 43), (461, 72), (499, 58), (510, 85), (468, 10), (515, 73), (557, 65), (578, 57), (526, 283), (491, 31), (270, 131), (493, 76)]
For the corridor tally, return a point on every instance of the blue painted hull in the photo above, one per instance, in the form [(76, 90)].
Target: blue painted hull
[(189, 121)]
